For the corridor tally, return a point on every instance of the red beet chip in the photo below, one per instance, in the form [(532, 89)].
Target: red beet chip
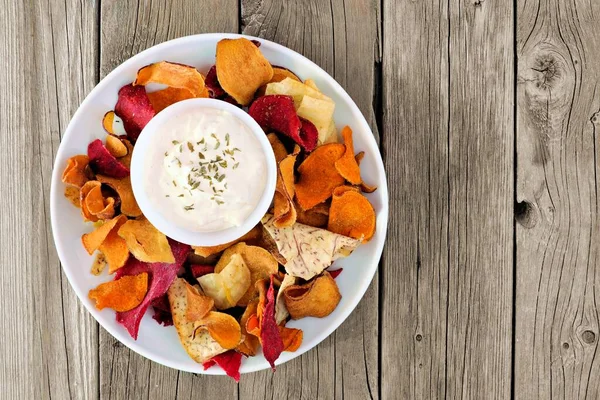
[(270, 337), (277, 112), (256, 42), (213, 85), (135, 109), (102, 162), (309, 135), (162, 311), (230, 362), (201, 270), (336, 272), (161, 277)]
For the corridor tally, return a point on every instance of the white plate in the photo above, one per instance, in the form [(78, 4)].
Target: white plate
[(156, 342)]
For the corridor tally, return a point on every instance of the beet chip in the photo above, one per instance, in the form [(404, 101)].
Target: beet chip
[(276, 112), (213, 85), (162, 311), (269, 331), (201, 270), (161, 277), (102, 162), (135, 109), (336, 272), (229, 361)]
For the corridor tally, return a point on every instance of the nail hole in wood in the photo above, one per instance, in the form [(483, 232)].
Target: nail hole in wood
[(419, 338), (525, 214), (566, 346), (589, 337)]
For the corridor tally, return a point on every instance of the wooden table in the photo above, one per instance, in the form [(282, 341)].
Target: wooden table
[(486, 112)]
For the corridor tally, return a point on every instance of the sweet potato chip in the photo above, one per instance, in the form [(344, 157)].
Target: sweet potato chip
[(115, 146), (72, 194), (113, 124), (74, 173), (250, 344), (93, 240), (145, 242), (129, 206), (352, 215), (347, 165), (222, 327), (229, 285), (270, 337), (284, 212), (340, 190), (134, 109), (359, 157), (162, 99), (121, 295), (291, 337), (259, 262), (281, 312), (316, 298), (102, 162), (254, 234), (114, 247), (278, 147), (279, 74), (316, 216), (94, 206), (241, 68), (173, 75), (318, 175), (198, 305), (229, 362), (200, 346)]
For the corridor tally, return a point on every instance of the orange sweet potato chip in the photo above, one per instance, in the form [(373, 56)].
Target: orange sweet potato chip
[(94, 206), (340, 190), (351, 214), (93, 240), (284, 212), (241, 68), (316, 216), (292, 338), (249, 346), (347, 165), (198, 305), (359, 157), (254, 234), (222, 327), (316, 298), (278, 147), (318, 175), (145, 242), (115, 146), (115, 248), (173, 75), (279, 74), (121, 295), (122, 186), (72, 194), (74, 173), (162, 99)]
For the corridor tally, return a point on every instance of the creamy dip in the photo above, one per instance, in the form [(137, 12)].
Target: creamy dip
[(205, 170)]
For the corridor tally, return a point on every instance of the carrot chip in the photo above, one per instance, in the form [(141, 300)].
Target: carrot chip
[(74, 173), (93, 240), (174, 75)]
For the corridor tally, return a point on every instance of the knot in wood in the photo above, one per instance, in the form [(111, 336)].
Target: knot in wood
[(588, 337), (548, 71), (525, 214)]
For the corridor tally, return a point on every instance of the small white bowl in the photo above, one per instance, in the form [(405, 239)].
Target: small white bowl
[(138, 174)]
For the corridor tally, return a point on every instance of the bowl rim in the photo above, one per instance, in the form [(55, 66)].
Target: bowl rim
[(382, 215), (156, 218)]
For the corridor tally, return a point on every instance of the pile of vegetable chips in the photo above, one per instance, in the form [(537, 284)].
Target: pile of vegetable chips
[(230, 301)]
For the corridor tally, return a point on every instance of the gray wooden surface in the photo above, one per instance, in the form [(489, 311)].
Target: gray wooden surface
[(486, 113)]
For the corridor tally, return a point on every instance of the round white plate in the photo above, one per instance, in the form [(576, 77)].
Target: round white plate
[(154, 341)]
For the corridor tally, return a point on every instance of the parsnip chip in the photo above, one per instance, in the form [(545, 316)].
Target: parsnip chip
[(254, 234), (222, 327), (241, 68), (281, 312), (352, 215), (319, 112), (259, 262), (278, 147), (98, 265), (279, 74), (74, 173), (229, 285), (311, 84), (121, 295), (72, 194), (297, 90), (94, 206), (122, 186), (317, 298), (318, 175), (347, 165), (200, 346), (308, 251), (115, 146), (249, 345), (284, 211), (173, 75), (145, 242), (162, 99), (198, 305), (93, 240)]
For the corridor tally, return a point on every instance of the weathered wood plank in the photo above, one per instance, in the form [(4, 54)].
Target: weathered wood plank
[(128, 27), (48, 341), (448, 141), (558, 100), (343, 37)]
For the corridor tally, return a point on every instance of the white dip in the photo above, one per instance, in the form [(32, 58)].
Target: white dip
[(205, 170)]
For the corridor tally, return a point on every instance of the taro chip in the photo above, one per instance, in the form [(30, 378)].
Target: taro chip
[(270, 337), (198, 305), (162, 311), (229, 285), (223, 328), (316, 298), (336, 272), (250, 344), (347, 165), (351, 215), (258, 261), (74, 173), (115, 248), (134, 109), (94, 206), (162, 99), (145, 242), (254, 234), (161, 277), (93, 240), (201, 270), (291, 337), (123, 188), (115, 146), (318, 176), (241, 68), (279, 74), (113, 124), (229, 362), (102, 162), (121, 295), (278, 148), (174, 75), (72, 194)]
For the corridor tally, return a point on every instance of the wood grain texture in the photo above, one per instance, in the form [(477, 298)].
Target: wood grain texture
[(558, 93), (49, 67), (126, 28), (447, 270), (343, 37)]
